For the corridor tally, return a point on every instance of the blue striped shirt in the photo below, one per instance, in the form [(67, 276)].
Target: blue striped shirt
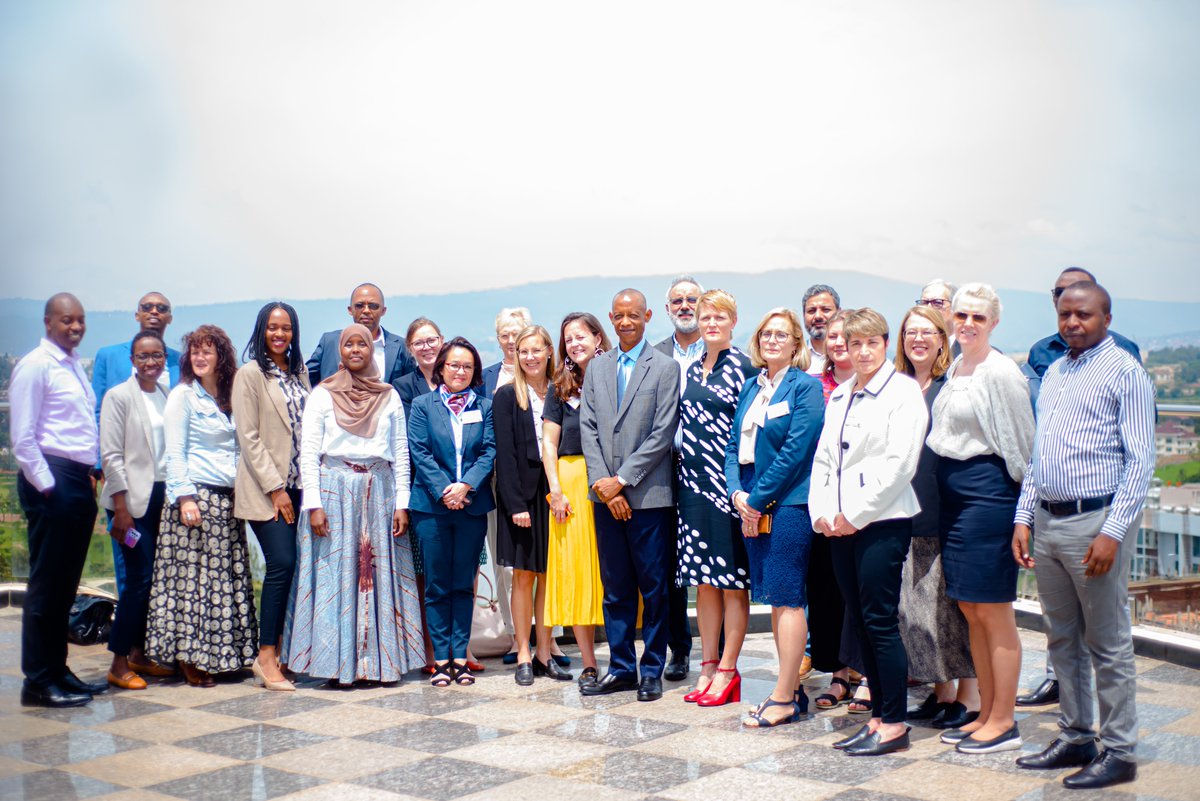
[(1095, 436)]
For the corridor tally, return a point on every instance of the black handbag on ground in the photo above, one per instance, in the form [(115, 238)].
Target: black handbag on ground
[(91, 619)]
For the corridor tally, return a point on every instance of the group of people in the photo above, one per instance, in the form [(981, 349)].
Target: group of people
[(880, 505)]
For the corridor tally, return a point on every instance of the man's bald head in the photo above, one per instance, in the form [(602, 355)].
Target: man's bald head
[(1091, 288), (630, 295), (65, 323), (56, 302)]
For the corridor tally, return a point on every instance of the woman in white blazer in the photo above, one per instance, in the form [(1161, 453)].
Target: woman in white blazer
[(135, 471), (861, 497)]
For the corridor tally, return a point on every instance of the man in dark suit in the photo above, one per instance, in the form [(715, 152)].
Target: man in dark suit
[(628, 417), (391, 356), (685, 346)]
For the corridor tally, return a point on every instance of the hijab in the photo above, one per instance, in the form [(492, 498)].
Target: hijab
[(358, 398)]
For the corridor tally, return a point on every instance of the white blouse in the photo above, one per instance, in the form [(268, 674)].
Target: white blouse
[(156, 407), (756, 415), (322, 436)]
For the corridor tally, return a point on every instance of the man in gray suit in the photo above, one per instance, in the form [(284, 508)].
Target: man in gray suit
[(627, 418)]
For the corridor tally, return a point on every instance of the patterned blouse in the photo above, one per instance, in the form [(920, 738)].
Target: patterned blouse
[(294, 394)]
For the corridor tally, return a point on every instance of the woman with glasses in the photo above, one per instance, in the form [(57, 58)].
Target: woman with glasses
[(712, 554), (767, 465), (202, 598), (453, 452), (983, 431), (355, 616), (932, 626), (133, 456), (523, 513), (574, 593), (268, 400)]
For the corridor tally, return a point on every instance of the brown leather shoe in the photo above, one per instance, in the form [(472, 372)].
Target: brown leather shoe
[(129, 681), (806, 667), (151, 669)]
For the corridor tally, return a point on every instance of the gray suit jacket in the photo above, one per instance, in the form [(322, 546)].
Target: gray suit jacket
[(127, 447), (633, 441)]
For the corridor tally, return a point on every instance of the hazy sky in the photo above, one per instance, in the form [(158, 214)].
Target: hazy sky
[(233, 150)]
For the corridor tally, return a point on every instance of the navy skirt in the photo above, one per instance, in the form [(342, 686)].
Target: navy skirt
[(976, 526), (779, 560)]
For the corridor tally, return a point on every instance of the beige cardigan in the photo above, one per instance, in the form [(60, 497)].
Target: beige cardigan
[(264, 433)]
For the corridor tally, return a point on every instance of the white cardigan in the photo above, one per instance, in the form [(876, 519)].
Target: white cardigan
[(868, 452)]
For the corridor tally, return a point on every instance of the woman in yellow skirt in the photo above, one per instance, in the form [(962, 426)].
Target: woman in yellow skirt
[(574, 594)]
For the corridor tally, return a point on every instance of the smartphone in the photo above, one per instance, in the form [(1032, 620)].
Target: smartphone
[(131, 537)]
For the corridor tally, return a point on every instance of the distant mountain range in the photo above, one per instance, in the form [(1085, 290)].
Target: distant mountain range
[(1027, 315)]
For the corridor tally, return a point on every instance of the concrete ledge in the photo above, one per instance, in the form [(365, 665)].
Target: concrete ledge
[(1151, 641)]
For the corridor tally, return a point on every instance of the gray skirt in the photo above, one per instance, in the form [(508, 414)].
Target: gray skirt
[(932, 626)]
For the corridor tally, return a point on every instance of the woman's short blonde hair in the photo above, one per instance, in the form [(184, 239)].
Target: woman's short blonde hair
[(865, 322), (934, 317), (801, 359), (978, 291), (518, 315), (520, 386), (720, 300)]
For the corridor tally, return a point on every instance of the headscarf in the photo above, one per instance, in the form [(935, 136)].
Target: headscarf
[(358, 398)]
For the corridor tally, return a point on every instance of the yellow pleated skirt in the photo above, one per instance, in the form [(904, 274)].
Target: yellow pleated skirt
[(574, 592)]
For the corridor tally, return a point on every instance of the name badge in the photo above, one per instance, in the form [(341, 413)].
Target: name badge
[(777, 410), (473, 416)]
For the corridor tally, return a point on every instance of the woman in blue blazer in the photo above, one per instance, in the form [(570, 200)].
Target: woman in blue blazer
[(453, 451), (767, 464)]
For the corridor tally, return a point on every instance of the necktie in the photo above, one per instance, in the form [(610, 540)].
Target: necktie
[(622, 361)]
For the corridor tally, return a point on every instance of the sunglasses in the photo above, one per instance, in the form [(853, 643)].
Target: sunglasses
[(161, 308), (978, 319)]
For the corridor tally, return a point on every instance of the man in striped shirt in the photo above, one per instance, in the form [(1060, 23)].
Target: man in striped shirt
[(1083, 494)]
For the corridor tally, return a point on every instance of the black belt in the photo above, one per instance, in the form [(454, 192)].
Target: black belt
[(1069, 508), (68, 465), (215, 489)]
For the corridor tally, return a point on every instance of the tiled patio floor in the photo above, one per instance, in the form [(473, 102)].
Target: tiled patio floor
[(500, 741)]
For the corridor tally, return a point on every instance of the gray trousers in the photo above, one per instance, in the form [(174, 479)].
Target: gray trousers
[(1088, 622)]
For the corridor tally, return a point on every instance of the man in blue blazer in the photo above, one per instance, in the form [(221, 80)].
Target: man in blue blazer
[(391, 354), (628, 417), (113, 367)]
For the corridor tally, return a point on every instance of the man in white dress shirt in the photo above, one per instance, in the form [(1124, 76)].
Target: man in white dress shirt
[(56, 443)]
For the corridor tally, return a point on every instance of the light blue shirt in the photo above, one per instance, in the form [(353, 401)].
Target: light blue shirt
[(627, 359), (457, 426), (200, 441)]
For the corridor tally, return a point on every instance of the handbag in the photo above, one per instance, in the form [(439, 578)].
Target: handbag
[(488, 637), (90, 619)]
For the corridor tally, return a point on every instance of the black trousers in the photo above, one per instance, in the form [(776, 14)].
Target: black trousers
[(868, 566), (826, 608), (129, 627), (60, 529), (278, 542), (679, 627)]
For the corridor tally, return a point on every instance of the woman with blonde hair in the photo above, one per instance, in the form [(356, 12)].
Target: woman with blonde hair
[(523, 512), (574, 593), (767, 465)]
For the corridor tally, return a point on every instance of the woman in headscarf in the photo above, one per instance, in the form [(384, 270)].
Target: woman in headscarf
[(355, 615)]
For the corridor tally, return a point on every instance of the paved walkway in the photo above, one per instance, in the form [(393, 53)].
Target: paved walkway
[(500, 741)]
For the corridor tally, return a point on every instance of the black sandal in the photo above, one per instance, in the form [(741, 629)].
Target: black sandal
[(831, 701), (442, 675), (462, 674)]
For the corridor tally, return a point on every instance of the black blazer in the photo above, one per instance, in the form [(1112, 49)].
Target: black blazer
[(518, 463), (925, 482), (409, 387)]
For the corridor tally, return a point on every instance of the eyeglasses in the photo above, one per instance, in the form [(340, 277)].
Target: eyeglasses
[(372, 306), (690, 300), (422, 344), (142, 358), (774, 336), (920, 333), (978, 319), (456, 367), (536, 353), (1056, 293), (161, 308), (937, 303)]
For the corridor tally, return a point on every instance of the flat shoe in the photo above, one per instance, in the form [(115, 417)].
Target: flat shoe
[(128, 681), (1009, 741), (475, 667), (854, 739), (874, 746), (152, 669)]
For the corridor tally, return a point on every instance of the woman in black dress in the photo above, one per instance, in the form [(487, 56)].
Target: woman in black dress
[(712, 554), (523, 515)]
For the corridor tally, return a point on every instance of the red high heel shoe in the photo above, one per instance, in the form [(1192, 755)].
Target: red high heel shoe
[(697, 691), (732, 691)]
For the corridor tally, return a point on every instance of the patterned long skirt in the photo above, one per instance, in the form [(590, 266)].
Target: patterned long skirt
[(354, 612), (202, 597)]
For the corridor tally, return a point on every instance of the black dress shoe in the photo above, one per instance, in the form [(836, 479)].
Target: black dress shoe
[(928, 708), (77, 685), (609, 684), (1104, 771), (524, 674), (677, 669), (872, 745), (955, 717), (1060, 754), (854, 739), (551, 670), (1008, 741), (52, 695), (588, 677), (650, 689), (1047, 693)]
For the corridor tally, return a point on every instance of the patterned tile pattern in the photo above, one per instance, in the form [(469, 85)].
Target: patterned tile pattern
[(497, 741)]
